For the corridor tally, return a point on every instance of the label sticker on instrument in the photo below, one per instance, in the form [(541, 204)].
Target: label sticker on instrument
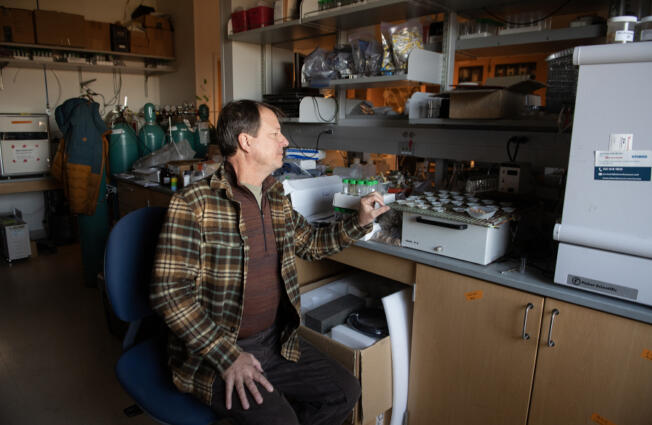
[(604, 287), (624, 166), (473, 295), (600, 420), (647, 354)]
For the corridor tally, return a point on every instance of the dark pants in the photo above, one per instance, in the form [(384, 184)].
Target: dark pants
[(314, 391)]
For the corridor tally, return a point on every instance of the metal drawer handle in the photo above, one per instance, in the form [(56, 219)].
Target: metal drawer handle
[(442, 224), (551, 343), (528, 307)]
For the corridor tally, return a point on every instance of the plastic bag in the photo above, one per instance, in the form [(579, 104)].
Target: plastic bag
[(405, 37), (367, 53), (169, 152), (387, 66), (341, 60), (317, 67), (373, 58)]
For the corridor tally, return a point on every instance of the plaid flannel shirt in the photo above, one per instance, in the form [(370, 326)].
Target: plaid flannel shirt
[(200, 270)]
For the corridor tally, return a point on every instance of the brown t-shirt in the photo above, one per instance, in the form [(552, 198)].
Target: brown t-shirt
[(262, 292)]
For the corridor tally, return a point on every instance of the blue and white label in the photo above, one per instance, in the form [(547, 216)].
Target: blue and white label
[(623, 166)]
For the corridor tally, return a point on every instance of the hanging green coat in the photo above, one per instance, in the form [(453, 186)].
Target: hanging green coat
[(82, 156)]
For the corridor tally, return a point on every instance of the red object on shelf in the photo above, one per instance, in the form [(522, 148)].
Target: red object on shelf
[(239, 21), (259, 16)]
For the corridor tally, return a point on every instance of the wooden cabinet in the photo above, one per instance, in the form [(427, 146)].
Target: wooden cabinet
[(132, 197), (469, 361), (471, 365), (599, 370)]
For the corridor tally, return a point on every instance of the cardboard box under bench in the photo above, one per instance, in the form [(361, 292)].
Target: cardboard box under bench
[(371, 365)]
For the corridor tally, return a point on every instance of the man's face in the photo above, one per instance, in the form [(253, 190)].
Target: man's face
[(267, 146)]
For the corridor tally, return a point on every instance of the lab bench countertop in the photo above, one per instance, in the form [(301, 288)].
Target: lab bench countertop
[(507, 274)]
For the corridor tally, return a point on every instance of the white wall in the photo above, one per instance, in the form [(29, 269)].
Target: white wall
[(179, 87)]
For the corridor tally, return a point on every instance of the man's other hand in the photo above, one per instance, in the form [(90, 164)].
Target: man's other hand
[(245, 372), (367, 212)]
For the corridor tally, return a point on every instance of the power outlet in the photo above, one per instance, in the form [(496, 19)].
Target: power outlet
[(406, 147)]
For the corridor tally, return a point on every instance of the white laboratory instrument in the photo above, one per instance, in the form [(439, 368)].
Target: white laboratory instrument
[(24, 144), (606, 231)]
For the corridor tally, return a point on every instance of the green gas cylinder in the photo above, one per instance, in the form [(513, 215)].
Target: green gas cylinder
[(202, 132), (123, 147), (151, 136), (181, 132)]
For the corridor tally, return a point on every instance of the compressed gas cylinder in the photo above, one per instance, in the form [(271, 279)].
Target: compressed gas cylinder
[(202, 132), (181, 132), (123, 147), (151, 136)]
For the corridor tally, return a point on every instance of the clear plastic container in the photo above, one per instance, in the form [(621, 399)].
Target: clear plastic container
[(644, 29), (620, 29)]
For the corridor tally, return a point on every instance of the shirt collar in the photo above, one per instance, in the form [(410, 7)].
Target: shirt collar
[(225, 178)]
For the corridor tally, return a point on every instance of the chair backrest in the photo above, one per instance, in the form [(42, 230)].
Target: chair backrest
[(128, 262)]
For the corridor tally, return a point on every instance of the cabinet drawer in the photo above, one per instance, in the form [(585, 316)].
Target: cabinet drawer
[(395, 268)]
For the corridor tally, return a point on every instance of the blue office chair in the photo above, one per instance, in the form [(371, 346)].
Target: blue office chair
[(142, 369)]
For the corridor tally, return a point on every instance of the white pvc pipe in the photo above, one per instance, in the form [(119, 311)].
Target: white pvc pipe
[(613, 53), (605, 240)]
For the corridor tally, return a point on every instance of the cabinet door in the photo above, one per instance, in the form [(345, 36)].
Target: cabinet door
[(599, 370), (469, 361)]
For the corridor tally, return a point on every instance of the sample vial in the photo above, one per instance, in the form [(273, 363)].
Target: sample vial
[(362, 187), (345, 186), (620, 29), (373, 186)]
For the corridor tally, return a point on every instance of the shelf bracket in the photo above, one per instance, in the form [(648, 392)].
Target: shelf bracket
[(448, 65), (2, 80)]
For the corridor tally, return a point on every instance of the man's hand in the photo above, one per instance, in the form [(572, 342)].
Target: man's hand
[(245, 371), (367, 213)]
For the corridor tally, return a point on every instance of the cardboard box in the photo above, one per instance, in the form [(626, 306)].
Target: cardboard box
[(179, 167), (59, 29), (152, 41), (98, 35), (161, 42), (372, 365), (501, 97), (158, 22), (139, 42), (16, 25)]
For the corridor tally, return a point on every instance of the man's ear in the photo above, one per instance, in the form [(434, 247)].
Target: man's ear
[(243, 142)]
